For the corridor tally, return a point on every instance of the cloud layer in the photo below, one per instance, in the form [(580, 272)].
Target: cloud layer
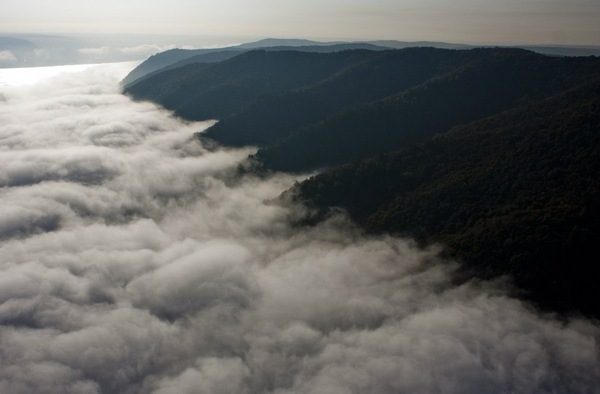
[(133, 260), (7, 57)]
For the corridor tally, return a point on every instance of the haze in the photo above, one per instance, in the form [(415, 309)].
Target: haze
[(465, 21)]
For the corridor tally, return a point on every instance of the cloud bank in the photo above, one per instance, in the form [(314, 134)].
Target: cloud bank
[(123, 53), (133, 260), (7, 56)]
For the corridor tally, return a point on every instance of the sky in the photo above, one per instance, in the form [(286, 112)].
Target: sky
[(134, 260), (460, 21)]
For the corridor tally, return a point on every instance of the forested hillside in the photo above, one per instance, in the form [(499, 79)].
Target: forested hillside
[(310, 111), (367, 77), (206, 90), (481, 83), (517, 193)]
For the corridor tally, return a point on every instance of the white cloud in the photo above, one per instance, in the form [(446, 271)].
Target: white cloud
[(134, 260), (145, 50), (116, 53), (7, 57), (96, 51), (209, 375)]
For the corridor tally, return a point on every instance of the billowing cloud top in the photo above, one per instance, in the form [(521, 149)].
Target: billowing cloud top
[(133, 260)]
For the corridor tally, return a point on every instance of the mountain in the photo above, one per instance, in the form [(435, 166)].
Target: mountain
[(365, 77), (394, 44), (206, 91), (517, 194), (176, 58), (308, 111), (165, 59), (13, 43), (566, 50), (474, 84), (14, 51), (173, 59), (287, 42), (490, 152), (170, 59)]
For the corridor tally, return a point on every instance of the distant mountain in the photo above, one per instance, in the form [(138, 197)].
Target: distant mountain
[(176, 58), (287, 42), (15, 51), (12, 43), (514, 194), (421, 44), (567, 50), (169, 59)]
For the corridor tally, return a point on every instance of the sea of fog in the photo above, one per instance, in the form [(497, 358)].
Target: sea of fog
[(134, 260)]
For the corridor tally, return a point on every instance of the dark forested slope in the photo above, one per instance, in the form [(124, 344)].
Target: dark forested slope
[(207, 91), (367, 77), (314, 110), (517, 194), (478, 83)]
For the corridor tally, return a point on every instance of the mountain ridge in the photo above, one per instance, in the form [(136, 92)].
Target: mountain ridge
[(163, 59)]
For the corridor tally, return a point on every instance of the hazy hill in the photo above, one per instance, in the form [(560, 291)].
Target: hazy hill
[(162, 60), (421, 44), (12, 43), (517, 193), (15, 51), (288, 42), (566, 50), (168, 60)]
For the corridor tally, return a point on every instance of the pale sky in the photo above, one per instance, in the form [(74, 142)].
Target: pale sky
[(464, 21)]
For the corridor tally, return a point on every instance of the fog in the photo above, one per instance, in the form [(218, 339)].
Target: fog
[(35, 50), (134, 260)]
